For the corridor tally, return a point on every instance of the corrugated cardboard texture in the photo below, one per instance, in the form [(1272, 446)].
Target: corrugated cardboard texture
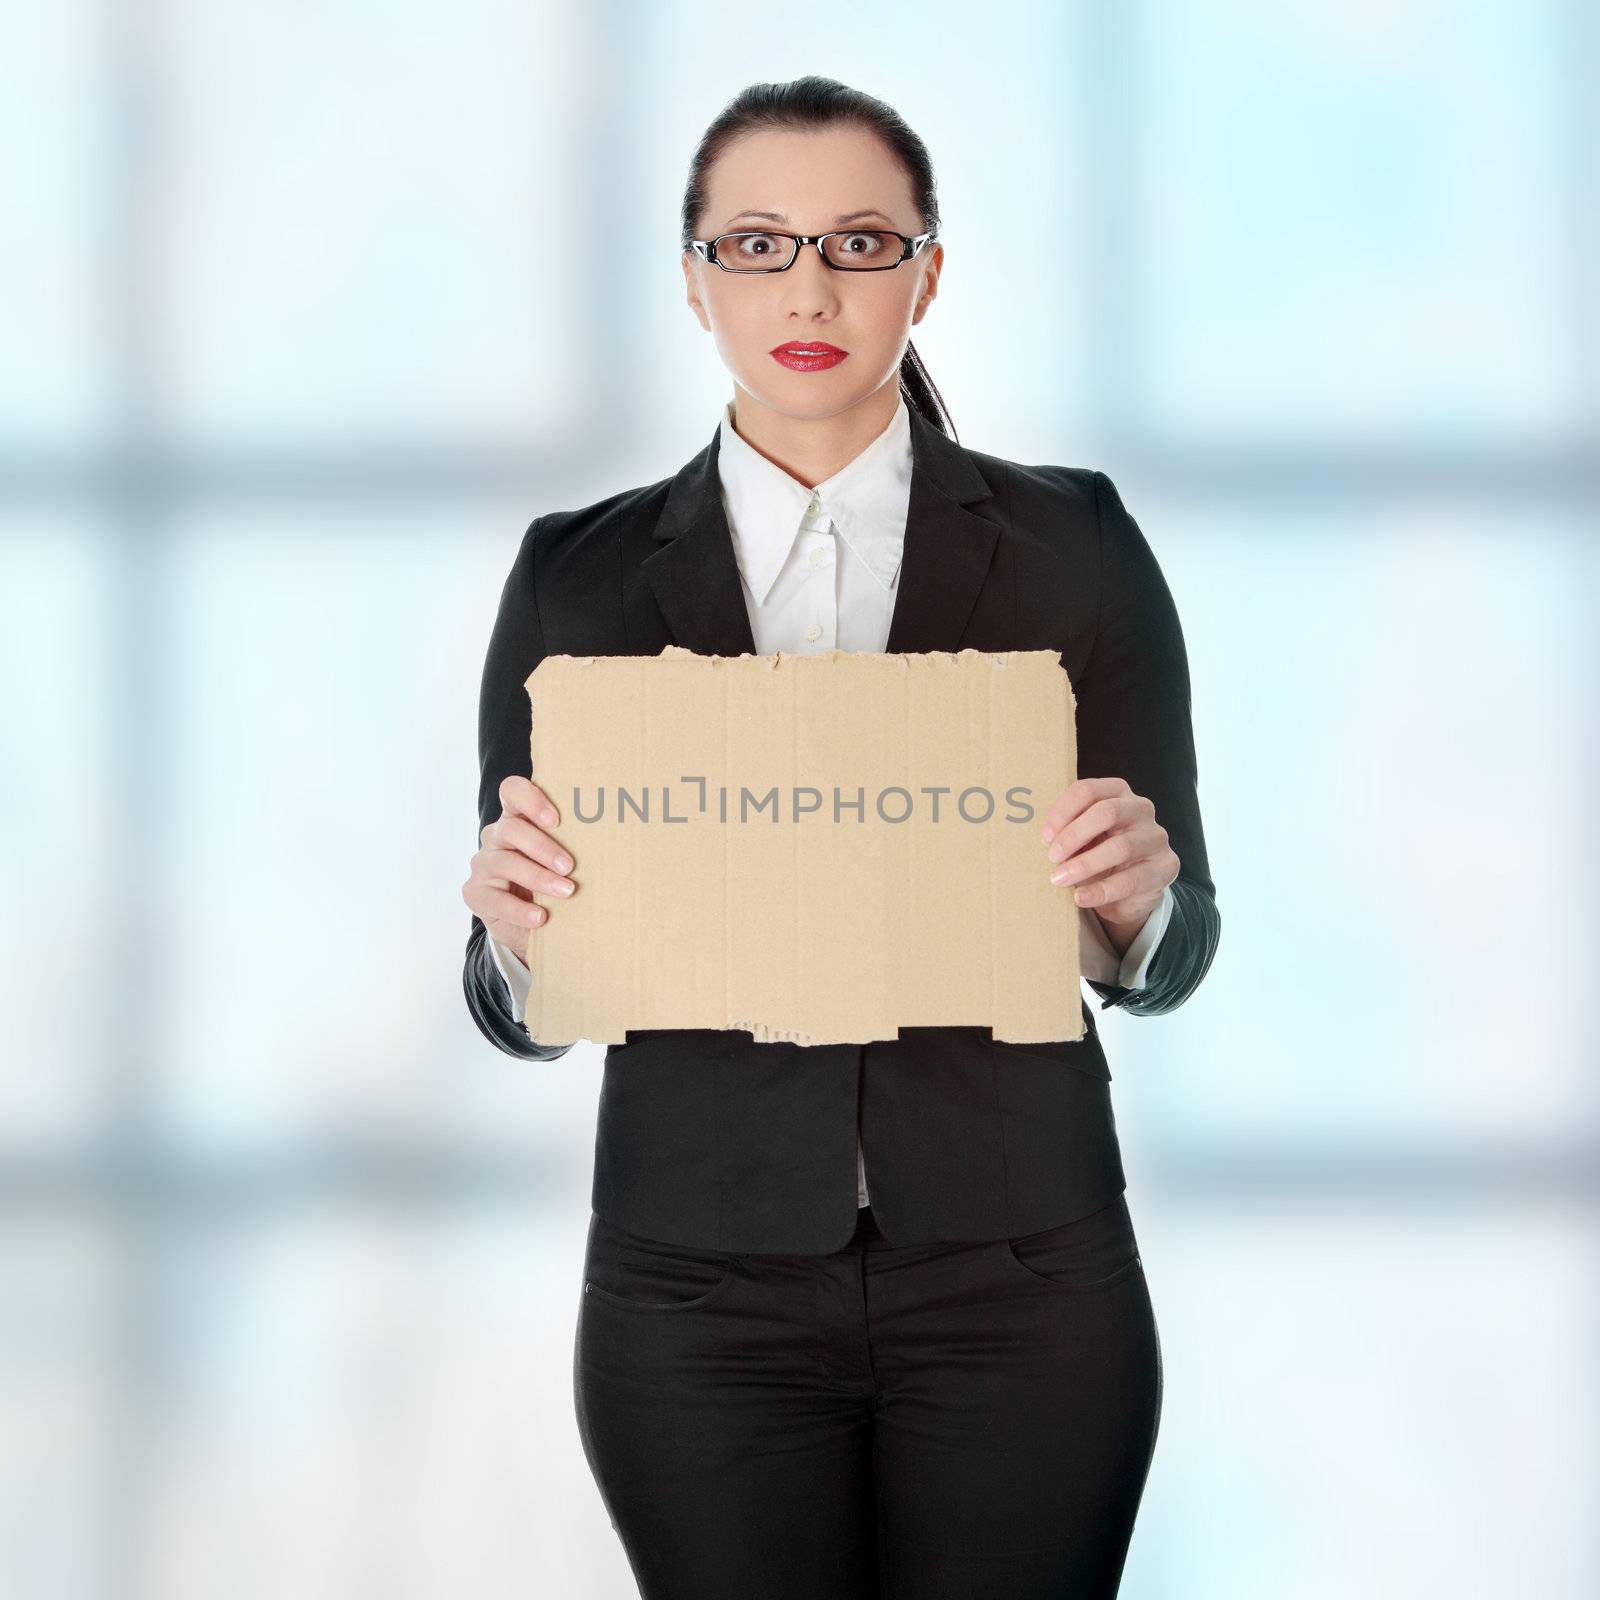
[(720, 885)]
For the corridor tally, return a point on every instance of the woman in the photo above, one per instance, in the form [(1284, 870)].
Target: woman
[(859, 1320)]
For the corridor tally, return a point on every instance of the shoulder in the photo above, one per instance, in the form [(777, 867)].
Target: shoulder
[(576, 550), (1047, 487), (1070, 505), (557, 532)]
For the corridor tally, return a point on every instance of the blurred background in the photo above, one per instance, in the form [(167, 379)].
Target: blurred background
[(298, 341)]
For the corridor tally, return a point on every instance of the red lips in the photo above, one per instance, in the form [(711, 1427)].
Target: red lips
[(808, 355)]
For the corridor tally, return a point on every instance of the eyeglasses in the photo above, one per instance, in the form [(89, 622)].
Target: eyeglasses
[(872, 250)]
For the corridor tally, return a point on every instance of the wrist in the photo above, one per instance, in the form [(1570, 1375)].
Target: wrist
[(1122, 931)]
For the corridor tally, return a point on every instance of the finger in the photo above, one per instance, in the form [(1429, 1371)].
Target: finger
[(503, 912), (517, 833), (1104, 816), (523, 797), (1142, 878), (1117, 851), (513, 867), (1077, 797), (513, 935)]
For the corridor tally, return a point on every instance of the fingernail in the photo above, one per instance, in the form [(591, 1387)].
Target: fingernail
[(547, 817), (563, 863)]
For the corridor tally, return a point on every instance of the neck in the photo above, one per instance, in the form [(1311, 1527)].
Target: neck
[(812, 449)]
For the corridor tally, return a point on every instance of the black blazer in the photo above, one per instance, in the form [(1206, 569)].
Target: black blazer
[(708, 1139)]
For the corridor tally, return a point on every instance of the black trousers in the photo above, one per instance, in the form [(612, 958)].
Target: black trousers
[(966, 1421)]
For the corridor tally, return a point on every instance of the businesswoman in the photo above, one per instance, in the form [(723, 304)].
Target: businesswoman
[(858, 1320)]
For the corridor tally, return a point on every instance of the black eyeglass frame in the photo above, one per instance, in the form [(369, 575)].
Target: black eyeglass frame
[(706, 249)]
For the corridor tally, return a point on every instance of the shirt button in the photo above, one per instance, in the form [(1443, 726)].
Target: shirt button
[(814, 631), (819, 558)]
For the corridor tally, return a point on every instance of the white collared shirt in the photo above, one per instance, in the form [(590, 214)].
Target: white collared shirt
[(820, 569)]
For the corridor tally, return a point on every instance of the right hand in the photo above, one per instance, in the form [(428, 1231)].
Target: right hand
[(516, 856)]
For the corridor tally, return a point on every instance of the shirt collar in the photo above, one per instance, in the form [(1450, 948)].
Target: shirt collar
[(866, 500)]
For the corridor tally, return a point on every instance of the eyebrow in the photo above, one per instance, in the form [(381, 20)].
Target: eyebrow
[(838, 222)]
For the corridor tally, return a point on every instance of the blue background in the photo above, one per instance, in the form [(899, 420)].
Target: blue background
[(300, 335)]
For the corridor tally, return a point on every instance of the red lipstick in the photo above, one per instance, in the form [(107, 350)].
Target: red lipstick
[(808, 355)]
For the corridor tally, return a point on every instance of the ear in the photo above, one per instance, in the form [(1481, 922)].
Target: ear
[(692, 265), (930, 284)]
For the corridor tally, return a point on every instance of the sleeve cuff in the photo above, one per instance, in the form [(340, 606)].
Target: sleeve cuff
[(1135, 967), (518, 979)]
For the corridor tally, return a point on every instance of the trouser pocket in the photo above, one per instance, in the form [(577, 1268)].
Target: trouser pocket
[(1089, 1252), (624, 1269)]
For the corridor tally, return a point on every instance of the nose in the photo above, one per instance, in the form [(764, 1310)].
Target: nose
[(808, 285)]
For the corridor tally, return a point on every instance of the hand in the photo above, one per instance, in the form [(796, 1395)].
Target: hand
[(1124, 875), (515, 858)]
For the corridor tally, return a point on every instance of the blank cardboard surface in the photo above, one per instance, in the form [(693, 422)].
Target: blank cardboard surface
[(818, 848)]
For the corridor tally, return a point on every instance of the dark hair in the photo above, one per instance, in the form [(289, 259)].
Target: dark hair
[(815, 102)]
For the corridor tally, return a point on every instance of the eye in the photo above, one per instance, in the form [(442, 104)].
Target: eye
[(861, 249), (755, 245)]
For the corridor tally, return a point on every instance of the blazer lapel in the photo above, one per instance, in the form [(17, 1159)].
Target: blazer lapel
[(948, 551), (692, 569)]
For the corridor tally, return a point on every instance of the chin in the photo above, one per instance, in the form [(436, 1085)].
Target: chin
[(808, 396)]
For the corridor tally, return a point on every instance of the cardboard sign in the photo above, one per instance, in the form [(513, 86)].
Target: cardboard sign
[(818, 848)]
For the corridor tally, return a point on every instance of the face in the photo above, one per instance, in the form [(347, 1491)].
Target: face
[(804, 182)]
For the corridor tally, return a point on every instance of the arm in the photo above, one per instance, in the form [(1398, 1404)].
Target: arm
[(516, 647), (1134, 722)]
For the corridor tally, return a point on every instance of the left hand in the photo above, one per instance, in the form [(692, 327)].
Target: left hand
[(1125, 873)]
